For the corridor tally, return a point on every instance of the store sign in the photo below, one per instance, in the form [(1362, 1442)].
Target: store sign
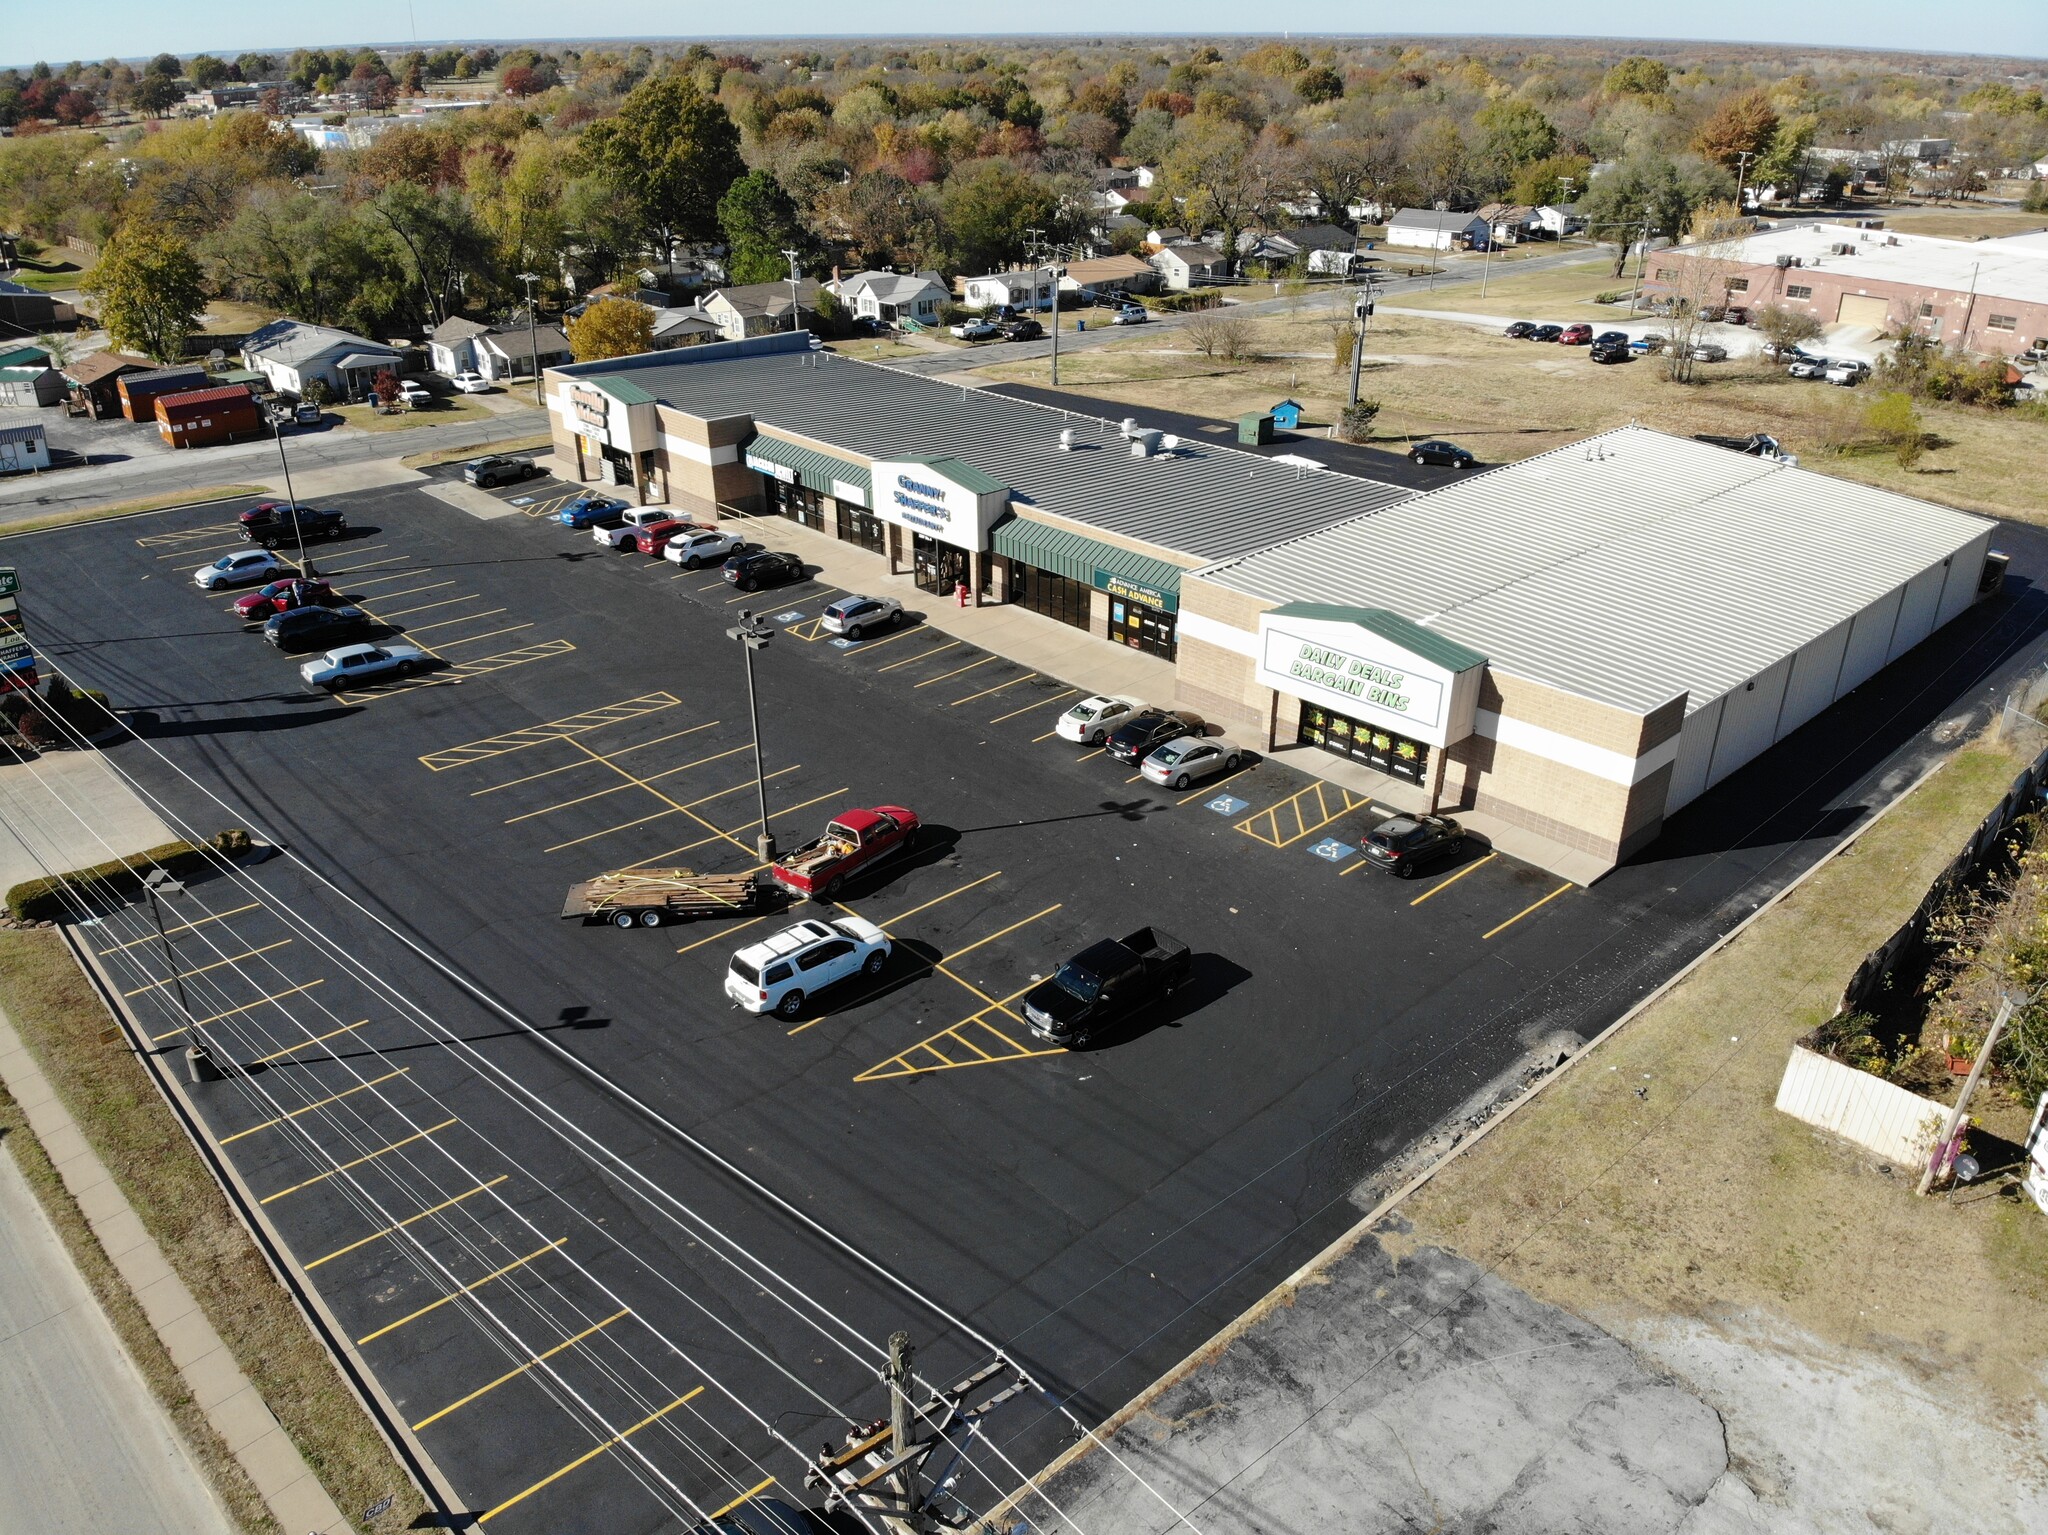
[(17, 656), (592, 408), (1155, 597), (773, 470), (926, 500), (847, 491), (1359, 673)]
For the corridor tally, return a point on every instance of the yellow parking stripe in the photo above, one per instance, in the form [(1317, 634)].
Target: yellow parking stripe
[(746, 1497), (621, 788), (675, 808), (319, 1103), (1446, 883), (442, 623), (419, 1135), (514, 1374), (1518, 916), (313, 1039), (473, 1285), (232, 959), (730, 927), (913, 660), (431, 586), (590, 1455), (890, 639), (427, 606), (1308, 810), (904, 916), (551, 730), (183, 927), (1210, 788), (246, 1007), (947, 676), (1036, 703), (378, 1236), (958, 954), (956, 703), (584, 762), (934, 1052), (184, 536)]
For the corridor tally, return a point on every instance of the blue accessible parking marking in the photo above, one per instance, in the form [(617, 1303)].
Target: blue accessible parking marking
[(1226, 804), (522, 500), (843, 643), (1333, 850), (790, 617)]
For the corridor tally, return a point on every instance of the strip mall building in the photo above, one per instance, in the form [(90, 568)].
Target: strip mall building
[(1578, 644)]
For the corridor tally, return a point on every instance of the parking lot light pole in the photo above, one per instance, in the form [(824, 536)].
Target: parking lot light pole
[(533, 345), (292, 500), (754, 635)]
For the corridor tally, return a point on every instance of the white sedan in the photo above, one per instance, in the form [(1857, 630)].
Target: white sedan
[(471, 383), (779, 974), (1092, 719), (351, 664), (691, 550), (244, 569)]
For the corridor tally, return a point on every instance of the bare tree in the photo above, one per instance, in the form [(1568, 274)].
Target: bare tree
[(1219, 333)]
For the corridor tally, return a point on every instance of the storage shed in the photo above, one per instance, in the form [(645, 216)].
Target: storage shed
[(139, 391), (204, 417), (23, 448), (30, 383), (96, 381)]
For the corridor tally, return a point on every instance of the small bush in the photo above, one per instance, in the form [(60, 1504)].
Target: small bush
[(44, 899), (1850, 1039), (1924, 1071), (1354, 422), (231, 842)]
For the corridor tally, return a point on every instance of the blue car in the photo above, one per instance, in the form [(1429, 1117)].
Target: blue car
[(591, 510)]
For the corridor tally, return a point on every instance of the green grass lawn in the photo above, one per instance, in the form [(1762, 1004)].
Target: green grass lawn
[(441, 413)]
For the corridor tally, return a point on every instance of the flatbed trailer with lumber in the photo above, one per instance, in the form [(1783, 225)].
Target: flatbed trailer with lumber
[(650, 897)]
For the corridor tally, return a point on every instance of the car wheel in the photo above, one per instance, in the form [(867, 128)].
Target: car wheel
[(622, 919), (650, 918), (1464, 463), (832, 888), (693, 563), (854, 632), (1416, 459), (407, 668), (1181, 782), (1097, 739), (792, 1003), (1405, 870), (1232, 763), (874, 964)]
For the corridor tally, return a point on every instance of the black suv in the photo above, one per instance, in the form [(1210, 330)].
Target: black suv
[(271, 523), (315, 628), (486, 472), (1407, 842), (1023, 330), (1141, 735), (753, 568)]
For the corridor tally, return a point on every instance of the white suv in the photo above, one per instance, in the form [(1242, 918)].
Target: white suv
[(780, 973), (691, 550), (1092, 719)]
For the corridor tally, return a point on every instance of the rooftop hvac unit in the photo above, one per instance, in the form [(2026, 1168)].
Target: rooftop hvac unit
[(1144, 444), (1067, 440), (1785, 261)]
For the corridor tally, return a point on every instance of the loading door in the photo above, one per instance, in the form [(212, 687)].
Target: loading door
[(1862, 309)]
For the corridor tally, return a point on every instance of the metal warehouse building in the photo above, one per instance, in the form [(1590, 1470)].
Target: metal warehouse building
[(1574, 646)]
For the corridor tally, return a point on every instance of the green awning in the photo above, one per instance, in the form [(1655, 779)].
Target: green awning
[(1121, 572), (815, 470), (625, 391)]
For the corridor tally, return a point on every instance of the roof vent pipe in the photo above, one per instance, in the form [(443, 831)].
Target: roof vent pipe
[(1067, 440), (1169, 443)]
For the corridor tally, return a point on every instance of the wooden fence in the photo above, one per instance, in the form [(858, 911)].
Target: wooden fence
[(1875, 1114)]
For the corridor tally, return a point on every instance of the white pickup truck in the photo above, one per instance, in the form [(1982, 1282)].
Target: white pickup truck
[(629, 529)]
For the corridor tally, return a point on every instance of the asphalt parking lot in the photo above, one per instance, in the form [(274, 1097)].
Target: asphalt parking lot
[(545, 1276)]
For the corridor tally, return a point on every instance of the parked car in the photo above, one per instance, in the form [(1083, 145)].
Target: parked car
[(351, 664), (620, 534), (1137, 737), (1772, 351), (1847, 372), (271, 523), (314, 628), (1545, 333), (471, 383), (1608, 352), (1738, 314), (853, 840), (1518, 330), (695, 548), (1130, 314), (779, 974), (1713, 314), (1808, 366), (1575, 335), (750, 570), (1650, 341), (283, 596), (1104, 984), (1756, 445), (1611, 338), (306, 413), (414, 393), (593, 509), (854, 617), (1091, 720), (1190, 759), (1023, 330), (244, 569), (1406, 844), (1445, 454), (499, 469), (1708, 351), (652, 538), (975, 330)]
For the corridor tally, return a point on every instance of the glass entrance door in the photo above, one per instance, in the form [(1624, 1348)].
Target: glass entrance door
[(938, 568), (1141, 628), (860, 526)]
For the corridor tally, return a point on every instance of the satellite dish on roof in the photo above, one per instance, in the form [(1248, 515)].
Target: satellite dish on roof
[(216, 355)]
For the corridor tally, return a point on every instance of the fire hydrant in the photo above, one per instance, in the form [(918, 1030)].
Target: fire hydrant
[(960, 593)]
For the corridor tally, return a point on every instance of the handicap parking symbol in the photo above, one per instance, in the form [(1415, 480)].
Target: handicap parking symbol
[(1226, 804), (1333, 850), (790, 617), (843, 643), (522, 501)]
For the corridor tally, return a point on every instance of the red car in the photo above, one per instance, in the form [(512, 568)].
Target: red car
[(853, 840), (282, 597), (654, 537), (1576, 335)]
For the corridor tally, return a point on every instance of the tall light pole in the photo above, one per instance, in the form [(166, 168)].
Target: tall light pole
[(795, 275), (754, 635), (291, 499), (532, 341)]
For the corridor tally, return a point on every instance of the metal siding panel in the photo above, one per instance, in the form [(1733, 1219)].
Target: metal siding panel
[(1965, 570), (1812, 687), (1869, 636), (1749, 719), (1916, 611), (1695, 744)]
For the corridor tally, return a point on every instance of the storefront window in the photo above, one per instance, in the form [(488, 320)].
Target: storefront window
[(1047, 592), (1382, 750), (1141, 627), (857, 525), (798, 503), (937, 568)]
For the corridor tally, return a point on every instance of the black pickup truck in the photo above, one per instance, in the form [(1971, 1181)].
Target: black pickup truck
[(1104, 984), (271, 523)]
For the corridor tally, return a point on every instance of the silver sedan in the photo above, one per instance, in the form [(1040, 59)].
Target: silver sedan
[(1190, 759)]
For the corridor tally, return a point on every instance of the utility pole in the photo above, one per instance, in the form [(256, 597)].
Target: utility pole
[(795, 276), (899, 1375), (298, 527), (754, 635), (1361, 316), (532, 334), (1742, 159), (1955, 1115), (1642, 262)]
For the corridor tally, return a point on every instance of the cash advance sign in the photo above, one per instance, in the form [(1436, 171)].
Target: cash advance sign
[(1362, 674)]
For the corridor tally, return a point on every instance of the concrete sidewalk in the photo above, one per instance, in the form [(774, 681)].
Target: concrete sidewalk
[(65, 811)]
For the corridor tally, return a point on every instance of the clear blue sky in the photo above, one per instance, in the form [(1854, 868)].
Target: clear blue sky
[(93, 29)]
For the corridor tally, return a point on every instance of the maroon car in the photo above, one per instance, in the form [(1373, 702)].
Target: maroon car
[(853, 839), (654, 537), (282, 596), (1575, 335)]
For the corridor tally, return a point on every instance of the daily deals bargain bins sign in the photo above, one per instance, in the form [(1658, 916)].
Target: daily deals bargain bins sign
[(17, 659), (1366, 676)]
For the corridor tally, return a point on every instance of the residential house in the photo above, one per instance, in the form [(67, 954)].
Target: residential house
[(1110, 274), (96, 382), (291, 354), (688, 326), (1117, 199), (1281, 247), (890, 298), (1020, 290), (1509, 223), (509, 353), (1556, 220), (451, 345), (1189, 266), (1437, 229), (759, 308)]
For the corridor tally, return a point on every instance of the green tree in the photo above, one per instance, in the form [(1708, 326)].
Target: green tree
[(671, 153), (1513, 134), (1317, 84), (157, 94), (1893, 421), (1218, 176), (987, 211), (1784, 328), (150, 292), (164, 64), (1545, 181), (1653, 192), (611, 327), (442, 243), (1783, 161), (256, 66), (206, 70), (1637, 76), (760, 221)]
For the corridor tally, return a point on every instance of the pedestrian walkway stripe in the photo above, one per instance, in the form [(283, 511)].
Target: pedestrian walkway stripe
[(552, 730), (1301, 813)]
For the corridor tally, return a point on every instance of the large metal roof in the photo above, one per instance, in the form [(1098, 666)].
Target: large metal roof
[(1206, 500), (1628, 568)]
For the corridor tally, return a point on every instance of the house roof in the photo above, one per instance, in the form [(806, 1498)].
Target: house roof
[(892, 287), (1434, 218), (1012, 279), (1314, 237), (291, 343), (23, 356), (1195, 255), (765, 297), (514, 342), (456, 328), (1103, 268), (94, 366), (14, 434), (1988, 268), (190, 397)]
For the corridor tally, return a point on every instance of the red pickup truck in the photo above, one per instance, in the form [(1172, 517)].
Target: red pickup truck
[(853, 840), (653, 537)]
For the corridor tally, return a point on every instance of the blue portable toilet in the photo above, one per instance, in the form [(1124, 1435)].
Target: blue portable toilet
[(1286, 415)]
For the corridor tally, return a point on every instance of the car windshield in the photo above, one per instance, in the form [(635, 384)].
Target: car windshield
[(745, 971), (226, 560), (1077, 982)]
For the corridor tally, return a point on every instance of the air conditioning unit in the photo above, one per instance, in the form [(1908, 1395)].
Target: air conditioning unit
[(1788, 261)]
